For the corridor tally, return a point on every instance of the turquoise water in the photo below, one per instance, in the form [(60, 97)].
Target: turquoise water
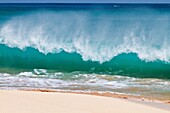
[(123, 64), (106, 47)]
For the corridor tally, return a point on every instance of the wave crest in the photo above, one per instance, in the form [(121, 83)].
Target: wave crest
[(96, 37)]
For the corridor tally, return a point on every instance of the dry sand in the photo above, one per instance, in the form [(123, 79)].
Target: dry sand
[(50, 102)]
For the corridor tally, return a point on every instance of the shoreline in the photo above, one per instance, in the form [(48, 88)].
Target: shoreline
[(41, 101), (104, 94)]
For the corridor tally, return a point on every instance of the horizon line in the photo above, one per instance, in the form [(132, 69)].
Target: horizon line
[(93, 2)]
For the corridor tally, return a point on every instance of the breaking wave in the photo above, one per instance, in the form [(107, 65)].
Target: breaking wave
[(107, 40), (95, 35)]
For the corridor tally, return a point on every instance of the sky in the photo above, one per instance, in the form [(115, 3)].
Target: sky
[(84, 1)]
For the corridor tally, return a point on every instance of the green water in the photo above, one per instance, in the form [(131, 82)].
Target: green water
[(123, 64)]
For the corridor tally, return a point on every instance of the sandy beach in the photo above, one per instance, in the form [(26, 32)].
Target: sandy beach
[(52, 102)]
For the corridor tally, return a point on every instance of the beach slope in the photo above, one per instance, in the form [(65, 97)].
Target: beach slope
[(48, 102)]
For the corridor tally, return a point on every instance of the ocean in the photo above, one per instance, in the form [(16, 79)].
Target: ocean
[(116, 48)]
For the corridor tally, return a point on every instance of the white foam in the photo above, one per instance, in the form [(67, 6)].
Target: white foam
[(29, 74), (40, 71), (99, 40)]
